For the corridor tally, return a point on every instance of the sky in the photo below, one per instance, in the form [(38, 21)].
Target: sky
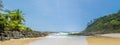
[(62, 15)]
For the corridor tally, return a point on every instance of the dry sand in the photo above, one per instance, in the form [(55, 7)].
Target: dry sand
[(18, 41), (103, 41)]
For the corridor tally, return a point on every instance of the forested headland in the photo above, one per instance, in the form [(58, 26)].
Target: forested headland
[(12, 25), (106, 24)]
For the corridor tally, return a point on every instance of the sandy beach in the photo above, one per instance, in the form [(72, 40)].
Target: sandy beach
[(24, 41), (103, 41)]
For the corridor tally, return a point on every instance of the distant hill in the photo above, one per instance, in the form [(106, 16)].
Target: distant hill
[(106, 24)]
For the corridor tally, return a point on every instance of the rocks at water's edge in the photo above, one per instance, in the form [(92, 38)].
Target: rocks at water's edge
[(21, 34)]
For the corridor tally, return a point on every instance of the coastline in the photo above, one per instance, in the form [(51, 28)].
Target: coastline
[(22, 41), (113, 35)]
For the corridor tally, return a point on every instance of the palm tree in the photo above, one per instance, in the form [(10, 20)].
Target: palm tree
[(11, 20), (16, 20), (16, 15)]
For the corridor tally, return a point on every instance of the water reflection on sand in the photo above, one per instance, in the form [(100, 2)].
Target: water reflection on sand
[(61, 40)]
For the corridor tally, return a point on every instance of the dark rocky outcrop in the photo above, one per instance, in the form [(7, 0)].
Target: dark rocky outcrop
[(20, 34)]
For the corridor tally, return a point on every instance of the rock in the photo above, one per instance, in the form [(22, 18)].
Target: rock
[(20, 34)]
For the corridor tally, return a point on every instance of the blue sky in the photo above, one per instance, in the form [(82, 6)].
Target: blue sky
[(62, 15)]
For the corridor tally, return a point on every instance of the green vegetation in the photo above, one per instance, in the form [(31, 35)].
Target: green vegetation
[(12, 20), (12, 25), (106, 24)]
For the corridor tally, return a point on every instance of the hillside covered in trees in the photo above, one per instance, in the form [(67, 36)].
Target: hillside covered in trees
[(106, 24)]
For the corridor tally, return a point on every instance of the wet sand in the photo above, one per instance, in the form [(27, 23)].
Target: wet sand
[(103, 41), (61, 40), (114, 35), (18, 41)]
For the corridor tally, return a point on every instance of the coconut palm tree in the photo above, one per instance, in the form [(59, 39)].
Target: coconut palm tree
[(16, 20)]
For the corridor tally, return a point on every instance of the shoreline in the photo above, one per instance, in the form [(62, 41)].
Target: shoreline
[(22, 41), (109, 35), (113, 35)]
